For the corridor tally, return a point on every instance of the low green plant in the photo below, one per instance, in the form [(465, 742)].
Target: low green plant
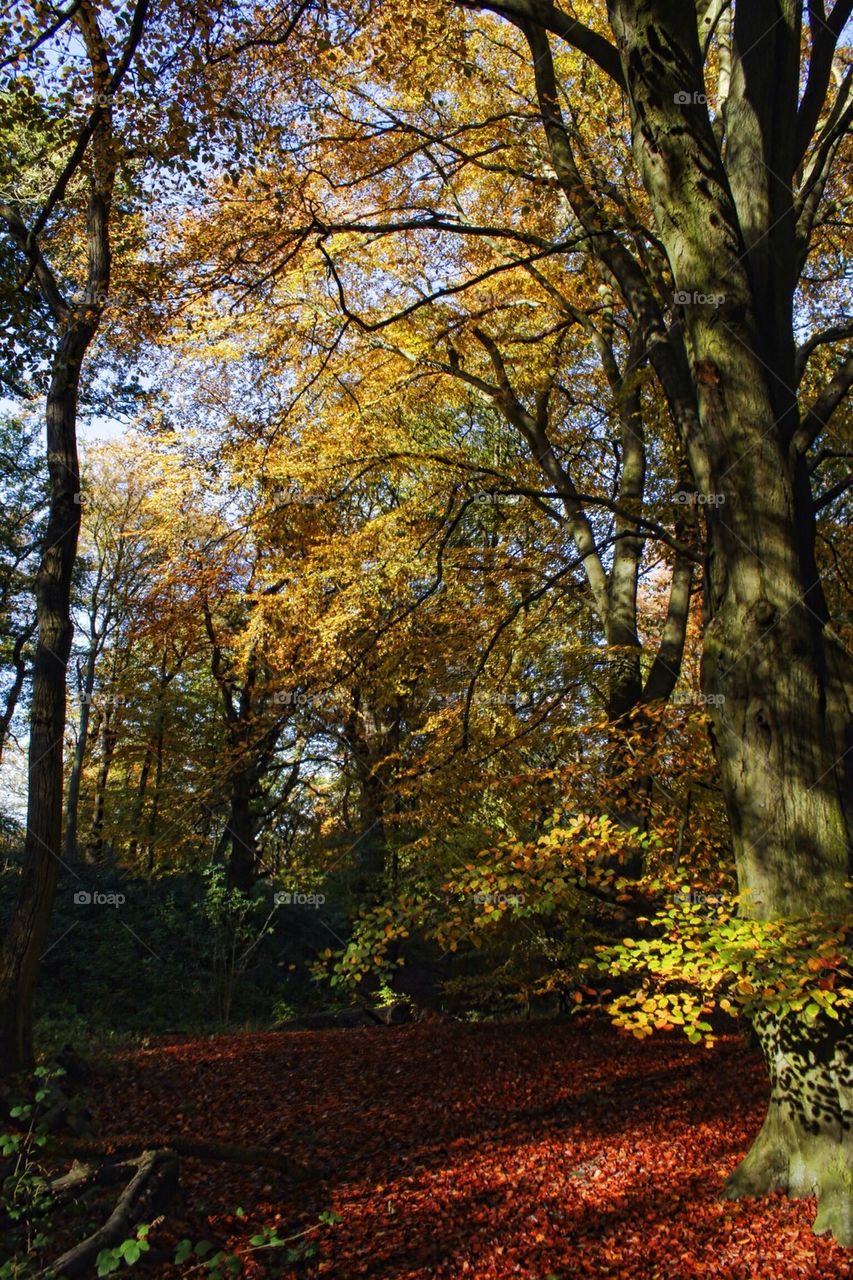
[(219, 1264), (126, 1253), (26, 1199)]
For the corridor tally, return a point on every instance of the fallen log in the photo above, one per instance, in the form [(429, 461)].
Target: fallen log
[(147, 1193), (82, 1176), (194, 1148)]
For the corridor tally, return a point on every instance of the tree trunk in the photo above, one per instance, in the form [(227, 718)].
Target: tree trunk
[(241, 834), (151, 840), (776, 746), (368, 740), (781, 685), (139, 802), (24, 941), (370, 847), (804, 1146), (19, 662), (77, 325), (72, 803), (109, 737)]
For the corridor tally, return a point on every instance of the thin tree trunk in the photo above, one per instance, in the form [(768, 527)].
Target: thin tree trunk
[(151, 836), (19, 662), (139, 802), (109, 738), (72, 803)]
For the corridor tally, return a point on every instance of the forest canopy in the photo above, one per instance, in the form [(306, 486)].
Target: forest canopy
[(425, 451)]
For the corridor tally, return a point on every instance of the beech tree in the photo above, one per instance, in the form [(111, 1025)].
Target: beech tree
[(727, 123), (94, 89), (76, 321), (739, 113)]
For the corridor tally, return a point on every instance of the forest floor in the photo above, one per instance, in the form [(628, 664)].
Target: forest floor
[(545, 1151)]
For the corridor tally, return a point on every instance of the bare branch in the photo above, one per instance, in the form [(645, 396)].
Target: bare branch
[(834, 334), (825, 36)]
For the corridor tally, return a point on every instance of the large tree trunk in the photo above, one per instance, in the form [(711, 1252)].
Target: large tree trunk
[(781, 684), (77, 325), (24, 941), (782, 706), (804, 1147), (242, 837), (775, 741)]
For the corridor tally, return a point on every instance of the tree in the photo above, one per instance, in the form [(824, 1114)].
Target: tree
[(705, 190), (23, 497), (113, 572), (95, 96), (76, 325), (737, 206)]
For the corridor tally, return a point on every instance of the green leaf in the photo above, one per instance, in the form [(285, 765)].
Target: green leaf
[(107, 1261)]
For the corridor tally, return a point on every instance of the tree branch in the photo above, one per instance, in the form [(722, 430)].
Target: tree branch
[(825, 36), (598, 49), (824, 406)]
